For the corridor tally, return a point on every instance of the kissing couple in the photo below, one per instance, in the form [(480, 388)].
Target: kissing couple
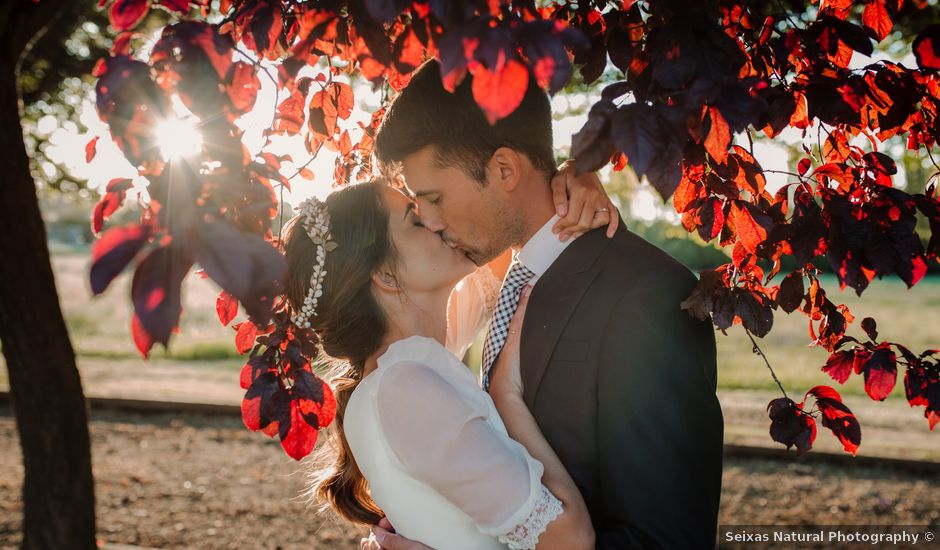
[(595, 422)]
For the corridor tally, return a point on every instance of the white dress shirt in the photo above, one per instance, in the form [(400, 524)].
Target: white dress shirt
[(541, 250)]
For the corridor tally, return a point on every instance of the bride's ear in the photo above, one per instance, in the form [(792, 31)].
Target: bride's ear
[(385, 280)]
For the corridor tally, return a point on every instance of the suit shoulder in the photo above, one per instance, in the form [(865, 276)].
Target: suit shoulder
[(648, 265)]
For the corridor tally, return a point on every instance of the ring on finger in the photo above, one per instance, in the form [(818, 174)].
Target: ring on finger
[(601, 210)]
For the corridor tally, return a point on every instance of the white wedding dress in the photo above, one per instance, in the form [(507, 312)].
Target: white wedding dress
[(433, 448)]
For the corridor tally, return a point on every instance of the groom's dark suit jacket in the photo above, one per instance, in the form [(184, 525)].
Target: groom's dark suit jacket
[(622, 383)]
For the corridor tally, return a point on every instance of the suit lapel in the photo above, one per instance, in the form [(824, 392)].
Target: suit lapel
[(553, 300)]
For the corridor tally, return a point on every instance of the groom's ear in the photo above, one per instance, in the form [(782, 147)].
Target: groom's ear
[(505, 168)]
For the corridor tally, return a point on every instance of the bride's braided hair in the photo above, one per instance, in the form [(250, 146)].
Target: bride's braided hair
[(350, 325)]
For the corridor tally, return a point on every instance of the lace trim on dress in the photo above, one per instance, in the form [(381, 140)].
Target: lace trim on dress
[(526, 534), (490, 285)]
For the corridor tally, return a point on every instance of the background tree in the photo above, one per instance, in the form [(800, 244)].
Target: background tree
[(58, 492)]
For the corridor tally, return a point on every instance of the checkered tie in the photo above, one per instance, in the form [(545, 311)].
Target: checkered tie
[(517, 277)]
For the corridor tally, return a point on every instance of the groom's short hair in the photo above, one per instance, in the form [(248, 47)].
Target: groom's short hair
[(425, 113)]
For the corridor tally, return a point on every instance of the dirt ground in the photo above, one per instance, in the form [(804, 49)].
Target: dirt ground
[(189, 481)]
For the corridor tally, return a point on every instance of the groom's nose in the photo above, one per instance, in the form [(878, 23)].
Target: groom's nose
[(432, 222)]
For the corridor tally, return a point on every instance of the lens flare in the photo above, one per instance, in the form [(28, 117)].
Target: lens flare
[(178, 138)]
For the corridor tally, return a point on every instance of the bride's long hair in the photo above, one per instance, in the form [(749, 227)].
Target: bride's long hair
[(350, 324)]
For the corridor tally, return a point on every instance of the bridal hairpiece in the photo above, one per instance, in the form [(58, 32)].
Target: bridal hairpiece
[(316, 221)]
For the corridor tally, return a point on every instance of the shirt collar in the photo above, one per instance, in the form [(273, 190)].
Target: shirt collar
[(542, 249)]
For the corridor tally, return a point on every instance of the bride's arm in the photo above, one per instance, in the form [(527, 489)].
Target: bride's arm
[(441, 436), (573, 529)]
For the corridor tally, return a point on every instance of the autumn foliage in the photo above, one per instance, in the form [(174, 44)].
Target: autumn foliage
[(688, 77)]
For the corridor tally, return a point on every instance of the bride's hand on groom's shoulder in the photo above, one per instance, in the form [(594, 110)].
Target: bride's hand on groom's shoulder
[(506, 377), (582, 203)]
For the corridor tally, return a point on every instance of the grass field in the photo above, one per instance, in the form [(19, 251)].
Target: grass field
[(907, 316), (99, 326)]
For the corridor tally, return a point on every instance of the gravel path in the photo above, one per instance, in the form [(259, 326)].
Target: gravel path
[(190, 481)]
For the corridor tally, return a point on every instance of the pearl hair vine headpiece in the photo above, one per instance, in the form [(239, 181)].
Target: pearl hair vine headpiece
[(316, 221)]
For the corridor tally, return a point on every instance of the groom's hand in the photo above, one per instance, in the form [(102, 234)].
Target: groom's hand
[(581, 203), (383, 537)]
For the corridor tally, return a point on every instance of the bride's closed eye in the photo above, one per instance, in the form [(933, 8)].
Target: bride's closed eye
[(410, 213)]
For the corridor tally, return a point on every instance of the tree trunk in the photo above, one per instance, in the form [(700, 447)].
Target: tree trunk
[(46, 391)]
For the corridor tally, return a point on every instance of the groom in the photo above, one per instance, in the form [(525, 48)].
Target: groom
[(620, 379)]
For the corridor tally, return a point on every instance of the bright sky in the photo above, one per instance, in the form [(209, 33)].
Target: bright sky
[(67, 145)]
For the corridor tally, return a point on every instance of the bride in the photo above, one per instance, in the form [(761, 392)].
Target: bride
[(416, 439)]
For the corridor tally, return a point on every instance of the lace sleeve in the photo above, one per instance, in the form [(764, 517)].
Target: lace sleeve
[(469, 308), (526, 534)]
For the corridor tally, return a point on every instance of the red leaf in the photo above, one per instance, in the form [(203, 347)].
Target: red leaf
[(245, 336), (711, 218), (876, 18), (926, 48), (316, 399), (110, 202), (125, 14), (244, 264), (122, 44), (791, 292), (226, 307), (155, 290), (91, 149), (755, 311), (839, 365), (179, 6), (244, 86), (272, 429), (837, 417), (749, 175), (922, 388), (142, 339), (251, 413), (290, 115), (750, 224), (113, 251), (325, 412), (263, 27), (619, 161), (301, 437), (408, 51), (397, 80), (323, 116), (687, 191), (342, 96), (800, 116), (804, 165), (790, 425), (880, 369), (254, 368), (913, 272), (499, 93), (719, 136)]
